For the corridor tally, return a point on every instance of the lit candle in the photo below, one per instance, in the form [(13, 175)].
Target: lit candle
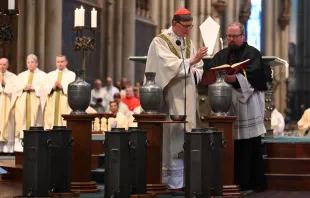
[(11, 4), (76, 13), (82, 15), (221, 40), (94, 18)]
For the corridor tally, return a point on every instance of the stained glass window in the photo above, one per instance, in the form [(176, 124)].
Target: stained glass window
[(254, 25)]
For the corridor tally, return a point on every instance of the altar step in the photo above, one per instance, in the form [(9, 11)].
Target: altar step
[(288, 182), (97, 173), (287, 166)]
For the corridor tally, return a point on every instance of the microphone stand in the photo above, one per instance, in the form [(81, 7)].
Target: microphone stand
[(178, 42)]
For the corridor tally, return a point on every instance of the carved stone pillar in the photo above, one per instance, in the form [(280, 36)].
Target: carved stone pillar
[(284, 18), (219, 6), (245, 11)]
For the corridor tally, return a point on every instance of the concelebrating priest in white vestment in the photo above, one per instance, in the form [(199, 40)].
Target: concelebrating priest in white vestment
[(6, 119), (55, 101), (26, 99), (165, 58)]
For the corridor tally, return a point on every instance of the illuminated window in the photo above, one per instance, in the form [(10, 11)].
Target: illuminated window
[(254, 25)]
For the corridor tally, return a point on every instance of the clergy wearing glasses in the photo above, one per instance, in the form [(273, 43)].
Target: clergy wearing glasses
[(55, 101), (27, 97), (165, 58), (248, 105)]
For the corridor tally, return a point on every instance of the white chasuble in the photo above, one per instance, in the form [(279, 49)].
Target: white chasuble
[(164, 58), (248, 105), (55, 102), (27, 105), (6, 118)]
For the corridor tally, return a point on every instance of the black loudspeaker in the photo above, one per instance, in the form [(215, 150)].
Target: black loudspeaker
[(117, 163), (217, 163), (138, 157), (60, 159), (36, 175), (198, 149)]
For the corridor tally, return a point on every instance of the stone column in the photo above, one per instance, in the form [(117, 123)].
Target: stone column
[(30, 26), (194, 8), (103, 35), (110, 40), (155, 14), (119, 39), (53, 28), (267, 30), (40, 34), (21, 38), (129, 41)]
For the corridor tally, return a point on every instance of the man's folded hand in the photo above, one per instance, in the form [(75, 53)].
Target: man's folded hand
[(230, 78)]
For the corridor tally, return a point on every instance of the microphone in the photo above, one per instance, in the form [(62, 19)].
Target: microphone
[(178, 42)]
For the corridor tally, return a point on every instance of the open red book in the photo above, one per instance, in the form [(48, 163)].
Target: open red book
[(209, 77)]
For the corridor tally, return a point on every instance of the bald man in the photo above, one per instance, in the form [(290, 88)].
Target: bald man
[(110, 89), (6, 120)]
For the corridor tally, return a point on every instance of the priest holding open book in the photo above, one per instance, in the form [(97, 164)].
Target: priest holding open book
[(245, 71)]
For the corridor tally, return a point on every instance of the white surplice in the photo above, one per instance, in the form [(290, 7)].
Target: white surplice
[(48, 100), (248, 105), (277, 123), (19, 103), (170, 76), (97, 94), (6, 118)]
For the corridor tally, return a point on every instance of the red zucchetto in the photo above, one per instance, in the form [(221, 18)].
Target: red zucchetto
[(182, 11)]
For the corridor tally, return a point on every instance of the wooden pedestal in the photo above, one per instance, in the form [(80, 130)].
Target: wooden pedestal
[(81, 126), (226, 124), (153, 124)]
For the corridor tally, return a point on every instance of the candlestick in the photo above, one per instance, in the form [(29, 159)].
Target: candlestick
[(11, 4), (93, 18)]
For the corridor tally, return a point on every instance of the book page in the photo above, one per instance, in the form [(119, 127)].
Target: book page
[(240, 63), (221, 66), (209, 30)]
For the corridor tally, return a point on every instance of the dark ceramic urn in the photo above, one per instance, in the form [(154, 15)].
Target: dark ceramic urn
[(79, 94), (151, 95)]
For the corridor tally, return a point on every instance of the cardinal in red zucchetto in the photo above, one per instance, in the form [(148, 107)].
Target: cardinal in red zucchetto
[(177, 64)]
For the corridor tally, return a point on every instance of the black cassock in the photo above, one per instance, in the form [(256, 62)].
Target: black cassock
[(249, 172)]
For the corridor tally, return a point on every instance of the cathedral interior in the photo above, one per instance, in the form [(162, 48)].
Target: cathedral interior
[(125, 28)]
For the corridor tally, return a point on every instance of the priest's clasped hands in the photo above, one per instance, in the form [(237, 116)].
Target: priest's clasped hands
[(2, 82), (57, 85), (28, 87), (201, 52)]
